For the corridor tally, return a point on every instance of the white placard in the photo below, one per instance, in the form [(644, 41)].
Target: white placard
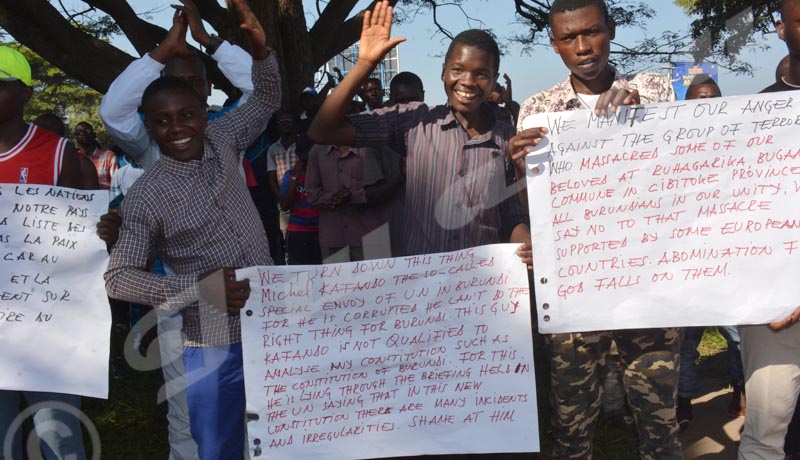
[(54, 315), (672, 214), (392, 357)]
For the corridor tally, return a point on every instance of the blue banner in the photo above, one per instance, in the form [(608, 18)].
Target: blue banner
[(684, 72)]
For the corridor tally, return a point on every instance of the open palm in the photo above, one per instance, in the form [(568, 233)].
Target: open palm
[(376, 32)]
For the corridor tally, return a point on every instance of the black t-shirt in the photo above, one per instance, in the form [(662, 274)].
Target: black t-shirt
[(777, 87)]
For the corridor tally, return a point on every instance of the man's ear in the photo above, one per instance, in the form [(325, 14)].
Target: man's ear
[(27, 93), (147, 126), (443, 67), (780, 28), (612, 29)]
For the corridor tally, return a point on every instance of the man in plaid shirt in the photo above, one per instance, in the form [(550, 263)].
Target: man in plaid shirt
[(192, 209)]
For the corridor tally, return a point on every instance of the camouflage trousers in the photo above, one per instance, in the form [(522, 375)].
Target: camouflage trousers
[(649, 359)]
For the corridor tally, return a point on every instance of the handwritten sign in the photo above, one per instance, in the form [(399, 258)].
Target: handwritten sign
[(392, 357), (681, 214), (54, 313)]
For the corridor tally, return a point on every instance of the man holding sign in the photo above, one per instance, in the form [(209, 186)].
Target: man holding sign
[(581, 34), (31, 155), (192, 209)]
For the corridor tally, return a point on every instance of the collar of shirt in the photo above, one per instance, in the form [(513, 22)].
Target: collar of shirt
[(180, 168), (566, 92), (354, 151), (494, 135)]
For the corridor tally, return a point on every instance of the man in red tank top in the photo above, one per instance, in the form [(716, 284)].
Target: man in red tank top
[(30, 155)]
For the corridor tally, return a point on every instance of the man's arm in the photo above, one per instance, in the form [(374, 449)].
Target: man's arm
[(233, 61), (127, 277), (288, 191), (70, 174), (89, 174), (315, 194), (330, 125), (242, 126)]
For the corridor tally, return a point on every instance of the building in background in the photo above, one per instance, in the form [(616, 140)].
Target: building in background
[(386, 70)]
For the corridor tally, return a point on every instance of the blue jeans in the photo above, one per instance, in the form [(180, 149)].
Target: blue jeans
[(215, 396), (688, 386), (58, 431)]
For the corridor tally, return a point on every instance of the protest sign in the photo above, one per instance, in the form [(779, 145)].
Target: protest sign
[(391, 357), (671, 214), (54, 315)]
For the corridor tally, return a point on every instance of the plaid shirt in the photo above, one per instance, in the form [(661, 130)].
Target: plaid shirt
[(105, 161), (197, 216), (653, 87), (460, 192), (281, 159)]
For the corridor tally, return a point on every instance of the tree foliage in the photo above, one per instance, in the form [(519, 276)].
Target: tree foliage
[(76, 40), (57, 93), (723, 28), (624, 13)]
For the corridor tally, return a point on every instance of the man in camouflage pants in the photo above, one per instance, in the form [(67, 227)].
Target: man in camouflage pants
[(581, 35)]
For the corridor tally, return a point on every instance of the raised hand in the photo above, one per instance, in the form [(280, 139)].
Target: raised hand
[(195, 22), (506, 95), (174, 44), (376, 32), (251, 27)]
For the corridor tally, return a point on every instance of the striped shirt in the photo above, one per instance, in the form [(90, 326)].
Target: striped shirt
[(460, 192), (197, 216), (105, 161), (304, 217)]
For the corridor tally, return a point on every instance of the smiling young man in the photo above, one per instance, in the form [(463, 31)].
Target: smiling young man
[(581, 33), (192, 209), (460, 189)]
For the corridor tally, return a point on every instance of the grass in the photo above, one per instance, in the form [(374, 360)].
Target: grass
[(132, 427)]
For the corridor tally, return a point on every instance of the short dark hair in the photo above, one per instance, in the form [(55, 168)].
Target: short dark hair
[(560, 6), (405, 78), (374, 80), (479, 39), (167, 84), (702, 79)]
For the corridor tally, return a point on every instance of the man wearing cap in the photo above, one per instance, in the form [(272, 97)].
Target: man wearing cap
[(31, 155)]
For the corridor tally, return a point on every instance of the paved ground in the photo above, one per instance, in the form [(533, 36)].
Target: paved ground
[(712, 435)]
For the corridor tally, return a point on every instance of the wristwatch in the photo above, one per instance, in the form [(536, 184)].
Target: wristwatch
[(213, 44)]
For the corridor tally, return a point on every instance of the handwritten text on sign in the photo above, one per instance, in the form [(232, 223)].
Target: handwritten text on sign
[(54, 314), (394, 357), (673, 214)]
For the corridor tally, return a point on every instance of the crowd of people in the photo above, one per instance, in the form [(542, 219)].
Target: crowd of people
[(196, 193)]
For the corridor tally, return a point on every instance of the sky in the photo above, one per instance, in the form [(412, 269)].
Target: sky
[(423, 51)]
